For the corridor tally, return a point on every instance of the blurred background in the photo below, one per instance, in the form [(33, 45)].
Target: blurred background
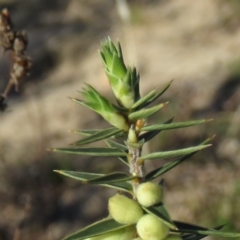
[(196, 43)]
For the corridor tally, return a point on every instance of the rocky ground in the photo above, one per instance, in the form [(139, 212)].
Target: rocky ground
[(196, 43)]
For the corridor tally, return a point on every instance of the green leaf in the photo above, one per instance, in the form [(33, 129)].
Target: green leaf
[(212, 233), (124, 160), (111, 178), (150, 97), (135, 83), (160, 211), (144, 99), (193, 237), (90, 132), (114, 144), (106, 133), (183, 226), (167, 126), (123, 186), (144, 113), (168, 166), (197, 236), (98, 228), (147, 136), (122, 147), (87, 177), (173, 153), (99, 152), (111, 113), (82, 176)]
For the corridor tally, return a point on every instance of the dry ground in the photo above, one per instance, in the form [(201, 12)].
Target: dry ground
[(196, 43)]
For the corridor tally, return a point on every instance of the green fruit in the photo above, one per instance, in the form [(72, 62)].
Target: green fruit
[(121, 234), (150, 227), (173, 237), (149, 194), (137, 238), (124, 210)]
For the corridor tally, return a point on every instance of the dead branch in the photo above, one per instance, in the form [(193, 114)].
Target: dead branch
[(16, 42)]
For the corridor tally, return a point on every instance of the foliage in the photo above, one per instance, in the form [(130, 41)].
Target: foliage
[(128, 120)]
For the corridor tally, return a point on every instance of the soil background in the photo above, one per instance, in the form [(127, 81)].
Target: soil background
[(196, 43)]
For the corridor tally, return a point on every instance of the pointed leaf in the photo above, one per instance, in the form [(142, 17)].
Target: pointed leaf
[(144, 113), (124, 160), (122, 147), (160, 211), (112, 178), (198, 236), (106, 133), (85, 177), (167, 126), (117, 145), (82, 176), (147, 136), (174, 153), (212, 233), (149, 98), (110, 112), (88, 132), (144, 99), (96, 229), (168, 166), (193, 237), (121, 186), (183, 225), (99, 152)]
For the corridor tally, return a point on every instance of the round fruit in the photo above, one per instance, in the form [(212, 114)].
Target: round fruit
[(150, 227), (124, 210), (173, 237), (149, 194)]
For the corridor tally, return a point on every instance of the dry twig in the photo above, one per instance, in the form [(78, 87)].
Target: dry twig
[(16, 42)]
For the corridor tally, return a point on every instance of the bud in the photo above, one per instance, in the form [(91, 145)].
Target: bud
[(121, 234), (124, 210), (95, 101), (149, 194), (124, 81), (173, 237), (132, 135), (150, 227)]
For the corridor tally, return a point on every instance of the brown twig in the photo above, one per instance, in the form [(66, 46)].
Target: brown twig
[(16, 42)]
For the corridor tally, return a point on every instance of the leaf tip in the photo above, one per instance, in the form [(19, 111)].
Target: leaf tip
[(208, 145), (209, 120), (51, 149), (73, 99), (211, 138), (171, 81)]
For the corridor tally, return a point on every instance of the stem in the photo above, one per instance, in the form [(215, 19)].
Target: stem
[(134, 153), (2, 104)]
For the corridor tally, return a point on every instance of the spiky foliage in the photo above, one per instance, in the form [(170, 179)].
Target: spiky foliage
[(128, 120)]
